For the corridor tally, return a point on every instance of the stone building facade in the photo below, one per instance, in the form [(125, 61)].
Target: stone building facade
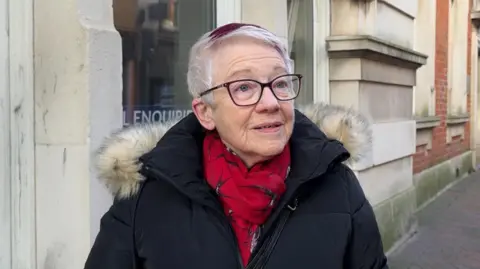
[(444, 139)]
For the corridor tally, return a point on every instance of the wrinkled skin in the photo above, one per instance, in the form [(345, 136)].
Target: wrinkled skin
[(246, 58)]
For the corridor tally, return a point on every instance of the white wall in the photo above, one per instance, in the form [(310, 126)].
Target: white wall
[(21, 154), (104, 65), (5, 251), (78, 92), (425, 25), (228, 11), (457, 60), (401, 14), (321, 30), (271, 14)]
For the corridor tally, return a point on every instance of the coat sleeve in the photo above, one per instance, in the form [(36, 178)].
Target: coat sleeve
[(365, 249), (114, 247)]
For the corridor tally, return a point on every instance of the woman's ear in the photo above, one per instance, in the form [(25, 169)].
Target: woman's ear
[(203, 112)]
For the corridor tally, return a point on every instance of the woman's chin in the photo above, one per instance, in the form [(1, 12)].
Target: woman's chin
[(270, 149)]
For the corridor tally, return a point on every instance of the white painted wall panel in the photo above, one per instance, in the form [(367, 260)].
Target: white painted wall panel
[(393, 140), (105, 109), (22, 134), (62, 208), (407, 6), (403, 32), (5, 251), (387, 180), (321, 30), (425, 26), (228, 11), (458, 54), (271, 14)]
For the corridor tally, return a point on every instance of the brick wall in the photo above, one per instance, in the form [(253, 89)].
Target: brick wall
[(441, 151)]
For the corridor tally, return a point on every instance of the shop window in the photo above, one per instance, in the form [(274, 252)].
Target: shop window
[(301, 46), (156, 38)]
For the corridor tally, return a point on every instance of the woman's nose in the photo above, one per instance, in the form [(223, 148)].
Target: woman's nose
[(268, 99)]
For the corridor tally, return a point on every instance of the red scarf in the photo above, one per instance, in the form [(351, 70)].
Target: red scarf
[(247, 195)]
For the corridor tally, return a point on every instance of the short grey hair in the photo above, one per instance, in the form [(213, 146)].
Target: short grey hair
[(199, 75)]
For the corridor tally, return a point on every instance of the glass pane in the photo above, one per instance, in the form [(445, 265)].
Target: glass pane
[(156, 38), (300, 37)]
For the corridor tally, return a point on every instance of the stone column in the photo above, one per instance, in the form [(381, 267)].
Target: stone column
[(78, 101), (17, 162), (373, 69)]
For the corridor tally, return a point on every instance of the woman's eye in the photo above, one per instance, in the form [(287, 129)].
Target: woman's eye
[(281, 84), (243, 87)]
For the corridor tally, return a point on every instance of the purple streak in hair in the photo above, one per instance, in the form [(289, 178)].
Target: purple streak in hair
[(227, 29)]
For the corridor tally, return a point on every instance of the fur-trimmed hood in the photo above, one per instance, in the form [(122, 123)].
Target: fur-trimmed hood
[(117, 160)]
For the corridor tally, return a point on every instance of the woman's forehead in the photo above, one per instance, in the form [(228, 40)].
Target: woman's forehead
[(273, 70), (248, 62)]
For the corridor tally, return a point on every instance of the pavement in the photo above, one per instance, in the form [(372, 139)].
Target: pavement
[(448, 234)]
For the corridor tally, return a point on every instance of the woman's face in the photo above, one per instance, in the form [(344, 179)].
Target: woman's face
[(257, 132)]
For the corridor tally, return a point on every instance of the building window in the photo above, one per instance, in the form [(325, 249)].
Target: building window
[(156, 38), (301, 46)]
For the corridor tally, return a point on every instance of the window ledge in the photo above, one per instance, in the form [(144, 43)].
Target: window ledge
[(457, 119), (370, 47), (428, 122)]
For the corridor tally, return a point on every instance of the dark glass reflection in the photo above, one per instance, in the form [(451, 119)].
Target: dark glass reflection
[(156, 38)]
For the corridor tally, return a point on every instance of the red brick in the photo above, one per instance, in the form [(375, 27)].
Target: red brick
[(440, 150)]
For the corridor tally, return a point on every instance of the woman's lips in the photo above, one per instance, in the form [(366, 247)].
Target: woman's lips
[(269, 127)]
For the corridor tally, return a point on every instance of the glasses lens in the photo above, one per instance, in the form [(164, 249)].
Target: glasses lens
[(286, 87), (245, 92)]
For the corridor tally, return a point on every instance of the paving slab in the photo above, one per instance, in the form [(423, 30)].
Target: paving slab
[(448, 234)]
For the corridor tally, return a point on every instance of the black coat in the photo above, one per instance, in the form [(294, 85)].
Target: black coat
[(166, 216)]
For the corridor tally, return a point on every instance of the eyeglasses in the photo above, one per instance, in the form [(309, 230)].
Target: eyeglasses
[(248, 92)]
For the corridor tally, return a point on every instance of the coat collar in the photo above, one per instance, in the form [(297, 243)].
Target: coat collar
[(322, 135)]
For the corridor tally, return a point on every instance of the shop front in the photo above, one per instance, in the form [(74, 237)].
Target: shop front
[(157, 35)]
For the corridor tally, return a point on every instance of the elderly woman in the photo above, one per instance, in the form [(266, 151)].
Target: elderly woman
[(246, 181)]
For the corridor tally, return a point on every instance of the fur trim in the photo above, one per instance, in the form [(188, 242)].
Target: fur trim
[(117, 159), (348, 126)]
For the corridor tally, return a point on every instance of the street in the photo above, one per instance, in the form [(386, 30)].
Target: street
[(448, 234)]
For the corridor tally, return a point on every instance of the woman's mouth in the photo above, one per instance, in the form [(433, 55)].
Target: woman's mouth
[(269, 127)]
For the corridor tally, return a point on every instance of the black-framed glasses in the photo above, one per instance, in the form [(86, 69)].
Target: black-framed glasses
[(248, 92)]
